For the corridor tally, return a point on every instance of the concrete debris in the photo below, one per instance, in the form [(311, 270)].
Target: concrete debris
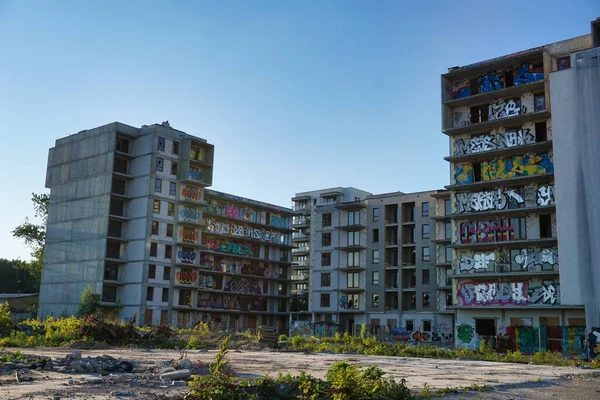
[(94, 379), (179, 374)]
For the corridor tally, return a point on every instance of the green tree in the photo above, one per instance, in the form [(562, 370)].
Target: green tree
[(34, 236), (89, 303)]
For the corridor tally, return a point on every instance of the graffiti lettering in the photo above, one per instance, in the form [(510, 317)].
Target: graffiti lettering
[(477, 262), (186, 256), (594, 342), (488, 293), (545, 294), (280, 222), (499, 230), (188, 236), (189, 214), (239, 230), (545, 196), (207, 281), (526, 74), (460, 89), (191, 193), (206, 262), (491, 81), (515, 166), (241, 249), (463, 173), (503, 109), (196, 174), (535, 260), (487, 142), (209, 300), (188, 277), (421, 336), (497, 199), (241, 285)]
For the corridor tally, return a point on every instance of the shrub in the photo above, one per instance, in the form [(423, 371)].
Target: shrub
[(283, 338), (89, 303), (5, 321)]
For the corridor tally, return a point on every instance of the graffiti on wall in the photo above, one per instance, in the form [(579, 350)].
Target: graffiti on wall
[(463, 174), (496, 199), (211, 300), (515, 166), (499, 230), (227, 247), (186, 277), (501, 108), (224, 228), (207, 282), (490, 293), (594, 342), (497, 79), (243, 213), (491, 141), (206, 262), (186, 256), (242, 285), (477, 262), (188, 235), (191, 193), (195, 174), (535, 260), (465, 333), (460, 88), (545, 196), (190, 214), (545, 294)]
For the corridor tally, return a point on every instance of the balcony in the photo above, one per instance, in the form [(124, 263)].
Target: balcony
[(299, 236), (298, 222), (300, 278), (486, 97), (505, 151), (301, 249), (505, 213), (542, 242), (497, 123), (303, 209)]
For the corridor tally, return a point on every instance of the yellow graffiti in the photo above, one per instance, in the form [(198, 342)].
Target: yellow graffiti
[(197, 154), (463, 173), (530, 164)]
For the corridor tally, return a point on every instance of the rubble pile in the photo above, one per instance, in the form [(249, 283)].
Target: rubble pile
[(107, 369)]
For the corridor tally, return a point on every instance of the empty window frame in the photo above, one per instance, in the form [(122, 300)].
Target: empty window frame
[(172, 188), (325, 279), (157, 185), (160, 163), (325, 259), (161, 144)]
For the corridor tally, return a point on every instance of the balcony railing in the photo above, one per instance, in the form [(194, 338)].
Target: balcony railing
[(301, 208), (300, 278), (300, 249)]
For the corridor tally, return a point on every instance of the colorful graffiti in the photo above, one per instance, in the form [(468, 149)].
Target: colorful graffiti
[(465, 333), (197, 153), (400, 334), (545, 196), (496, 199), (195, 174), (421, 336), (545, 294), (490, 293), (188, 235), (535, 260), (460, 89), (500, 108), (242, 285), (244, 213), (594, 343), (190, 214), (491, 141), (463, 174), (191, 193), (207, 282), (319, 329), (224, 228), (526, 73), (227, 247), (499, 230), (186, 277), (515, 166), (491, 81), (477, 262), (186, 256), (211, 300), (206, 262)]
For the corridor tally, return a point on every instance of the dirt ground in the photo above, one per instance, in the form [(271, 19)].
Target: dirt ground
[(506, 381)]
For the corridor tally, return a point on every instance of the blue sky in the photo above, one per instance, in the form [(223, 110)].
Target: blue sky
[(295, 95)]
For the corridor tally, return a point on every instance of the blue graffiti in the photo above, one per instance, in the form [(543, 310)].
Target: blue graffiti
[(186, 256), (526, 74), (196, 175), (190, 214), (490, 82)]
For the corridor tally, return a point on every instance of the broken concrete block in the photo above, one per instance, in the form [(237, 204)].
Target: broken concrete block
[(179, 374)]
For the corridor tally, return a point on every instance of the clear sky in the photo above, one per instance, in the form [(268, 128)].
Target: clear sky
[(295, 95)]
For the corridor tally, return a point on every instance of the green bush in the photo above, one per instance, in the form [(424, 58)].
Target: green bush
[(283, 338), (89, 303), (5, 321)]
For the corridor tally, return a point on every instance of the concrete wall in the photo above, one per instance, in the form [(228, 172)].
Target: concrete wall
[(576, 101), (79, 176)]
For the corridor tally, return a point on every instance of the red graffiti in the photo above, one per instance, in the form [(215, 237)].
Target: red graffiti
[(186, 277), (191, 193), (420, 336), (188, 236)]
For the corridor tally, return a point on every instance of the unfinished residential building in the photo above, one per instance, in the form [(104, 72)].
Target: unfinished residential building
[(505, 262), (329, 240)]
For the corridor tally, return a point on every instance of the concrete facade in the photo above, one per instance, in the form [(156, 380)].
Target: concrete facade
[(127, 217), (575, 112), (401, 264), (505, 261)]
